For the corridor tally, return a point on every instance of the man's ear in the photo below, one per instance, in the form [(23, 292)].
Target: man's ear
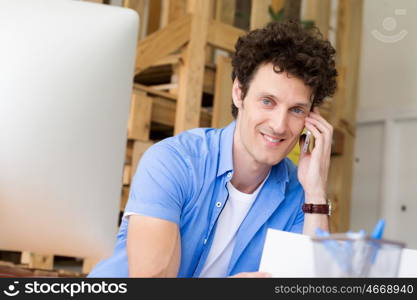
[(237, 94)]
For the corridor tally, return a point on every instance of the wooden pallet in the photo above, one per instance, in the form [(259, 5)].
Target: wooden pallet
[(37, 265)]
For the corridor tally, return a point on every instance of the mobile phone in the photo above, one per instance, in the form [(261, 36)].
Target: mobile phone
[(306, 141), (308, 137)]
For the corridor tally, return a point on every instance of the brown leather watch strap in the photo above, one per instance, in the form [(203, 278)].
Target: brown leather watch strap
[(316, 208)]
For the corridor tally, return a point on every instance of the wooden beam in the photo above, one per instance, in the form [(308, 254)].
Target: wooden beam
[(205, 117), (163, 42), (166, 72), (168, 60), (223, 36), (163, 112), (174, 79), (140, 116), (348, 48), (191, 71), (209, 50), (338, 142), (9, 269), (151, 91), (37, 261), (164, 13), (139, 147), (165, 86), (164, 107), (154, 16), (209, 80), (225, 11), (172, 10), (173, 87), (319, 12), (222, 112), (325, 109), (259, 16), (177, 9), (343, 116)]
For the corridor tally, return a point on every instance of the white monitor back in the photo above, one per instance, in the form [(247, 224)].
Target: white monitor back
[(66, 73)]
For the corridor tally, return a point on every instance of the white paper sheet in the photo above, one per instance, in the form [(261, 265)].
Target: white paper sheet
[(287, 254)]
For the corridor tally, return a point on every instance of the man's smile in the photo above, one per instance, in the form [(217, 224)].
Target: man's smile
[(272, 140)]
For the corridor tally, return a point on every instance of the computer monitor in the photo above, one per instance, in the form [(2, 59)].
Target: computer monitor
[(66, 74)]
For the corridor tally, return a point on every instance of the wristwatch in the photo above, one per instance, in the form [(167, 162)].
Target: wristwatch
[(318, 208)]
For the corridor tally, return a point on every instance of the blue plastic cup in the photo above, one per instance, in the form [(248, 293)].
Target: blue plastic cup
[(341, 255)]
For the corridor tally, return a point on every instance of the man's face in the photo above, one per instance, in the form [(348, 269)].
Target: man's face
[(271, 117)]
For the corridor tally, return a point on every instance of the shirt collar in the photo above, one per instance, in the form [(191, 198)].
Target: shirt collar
[(279, 172), (226, 149)]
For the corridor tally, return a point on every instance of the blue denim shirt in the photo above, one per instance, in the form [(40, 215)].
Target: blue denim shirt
[(183, 179)]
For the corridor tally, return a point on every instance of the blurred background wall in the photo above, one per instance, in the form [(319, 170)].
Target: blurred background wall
[(385, 164)]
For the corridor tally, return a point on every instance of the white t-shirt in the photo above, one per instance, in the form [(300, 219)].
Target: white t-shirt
[(233, 214)]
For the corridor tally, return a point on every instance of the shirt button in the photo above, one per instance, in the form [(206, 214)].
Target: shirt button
[(229, 175), (205, 241), (218, 204)]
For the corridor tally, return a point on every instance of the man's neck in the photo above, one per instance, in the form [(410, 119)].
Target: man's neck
[(248, 173)]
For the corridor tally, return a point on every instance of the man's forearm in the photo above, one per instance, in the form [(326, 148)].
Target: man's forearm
[(314, 221)]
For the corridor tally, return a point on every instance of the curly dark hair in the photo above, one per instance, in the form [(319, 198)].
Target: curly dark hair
[(300, 52)]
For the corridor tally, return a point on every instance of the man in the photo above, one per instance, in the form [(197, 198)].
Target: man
[(201, 202)]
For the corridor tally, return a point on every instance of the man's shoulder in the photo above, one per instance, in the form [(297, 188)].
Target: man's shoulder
[(197, 142)]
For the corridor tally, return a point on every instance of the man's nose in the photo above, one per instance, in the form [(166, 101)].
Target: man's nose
[(279, 122)]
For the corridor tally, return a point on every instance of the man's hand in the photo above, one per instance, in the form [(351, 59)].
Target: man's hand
[(313, 167)]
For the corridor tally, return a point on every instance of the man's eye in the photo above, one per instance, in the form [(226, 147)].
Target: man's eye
[(266, 101), (298, 111)]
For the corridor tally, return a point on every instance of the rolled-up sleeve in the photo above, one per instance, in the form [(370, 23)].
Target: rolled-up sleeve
[(161, 184)]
